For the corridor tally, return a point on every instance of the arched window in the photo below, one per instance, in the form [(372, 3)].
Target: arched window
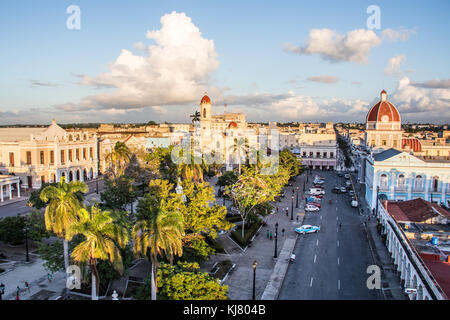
[(435, 184), (383, 181), (204, 112), (401, 181), (418, 182)]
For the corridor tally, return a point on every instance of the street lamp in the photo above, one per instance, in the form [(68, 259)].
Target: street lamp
[(96, 186), (292, 208), (26, 229), (378, 190), (255, 263), (304, 185), (276, 239), (296, 204)]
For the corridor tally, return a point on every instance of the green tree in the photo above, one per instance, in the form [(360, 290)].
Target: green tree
[(289, 161), (118, 157), (227, 179), (184, 281), (62, 209), (118, 193), (157, 232), (103, 238), (12, 229), (251, 189)]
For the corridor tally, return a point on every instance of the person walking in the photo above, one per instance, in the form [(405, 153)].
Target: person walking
[(27, 286), (277, 210), (267, 233), (17, 290), (270, 235), (282, 232), (49, 275), (2, 290)]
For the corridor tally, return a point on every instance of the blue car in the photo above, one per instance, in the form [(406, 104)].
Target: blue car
[(307, 229)]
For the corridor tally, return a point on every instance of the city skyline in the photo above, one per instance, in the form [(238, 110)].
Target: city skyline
[(274, 62)]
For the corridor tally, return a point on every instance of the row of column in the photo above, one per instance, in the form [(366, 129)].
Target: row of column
[(9, 188)]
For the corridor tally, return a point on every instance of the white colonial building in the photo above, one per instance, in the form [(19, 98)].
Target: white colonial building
[(38, 155)]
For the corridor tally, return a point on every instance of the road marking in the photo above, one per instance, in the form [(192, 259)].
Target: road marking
[(339, 284), (338, 243), (310, 284), (315, 256), (338, 261), (320, 217), (336, 218), (317, 242), (336, 208)]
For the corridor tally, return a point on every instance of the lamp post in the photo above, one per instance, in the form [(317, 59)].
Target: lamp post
[(276, 240), (296, 204), (378, 190), (292, 208), (96, 186), (255, 263), (26, 229)]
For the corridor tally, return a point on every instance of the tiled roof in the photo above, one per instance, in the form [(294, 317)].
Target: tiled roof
[(441, 272), (416, 210)]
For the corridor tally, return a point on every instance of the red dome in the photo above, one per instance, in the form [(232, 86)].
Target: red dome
[(232, 125), (381, 109), (205, 99)]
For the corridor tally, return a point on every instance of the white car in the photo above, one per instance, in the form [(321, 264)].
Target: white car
[(354, 203), (311, 208), (307, 229)]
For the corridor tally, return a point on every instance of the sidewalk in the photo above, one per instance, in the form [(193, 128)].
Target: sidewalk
[(240, 282), (391, 287)]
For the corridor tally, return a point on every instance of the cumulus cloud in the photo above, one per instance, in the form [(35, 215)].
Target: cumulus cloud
[(354, 46), (393, 67), (433, 84), (420, 103), (323, 79), (174, 71)]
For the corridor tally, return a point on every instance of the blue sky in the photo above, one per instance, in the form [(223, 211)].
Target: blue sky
[(43, 62)]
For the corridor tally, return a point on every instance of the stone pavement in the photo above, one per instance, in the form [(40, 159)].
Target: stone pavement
[(36, 275), (391, 287), (240, 282)]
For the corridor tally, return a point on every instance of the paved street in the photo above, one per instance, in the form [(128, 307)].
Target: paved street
[(332, 263)]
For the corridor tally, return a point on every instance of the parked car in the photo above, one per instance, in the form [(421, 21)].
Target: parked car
[(319, 181), (316, 191), (348, 183), (336, 190), (343, 190), (317, 204), (319, 186), (340, 174), (313, 199), (354, 203), (307, 229), (311, 208), (347, 176), (351, 192)]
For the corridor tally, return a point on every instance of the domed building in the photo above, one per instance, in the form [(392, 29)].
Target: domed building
[(383, 125)]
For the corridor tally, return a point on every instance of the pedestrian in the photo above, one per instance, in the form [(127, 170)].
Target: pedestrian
[(282, 232), (267, 233), (17, 297), (287, 212), (27, 286), (49, 275), (297, 218), (2, 288), (277, 210), (270, 235), (17, 290), (340, 226)]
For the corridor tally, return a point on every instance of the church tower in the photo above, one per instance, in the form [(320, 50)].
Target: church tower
[(205, 113)]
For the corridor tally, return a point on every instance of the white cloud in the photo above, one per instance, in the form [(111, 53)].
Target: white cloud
[(393, 67), (399, 34), (353, 47), (323, 79), (175, 71), (421, 104), (433, 84)]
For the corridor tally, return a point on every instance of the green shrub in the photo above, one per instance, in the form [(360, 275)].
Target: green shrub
[(249, 232)]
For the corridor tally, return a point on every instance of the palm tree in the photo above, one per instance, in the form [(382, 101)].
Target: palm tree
[(120, 154), (195, 117), (240, 145), (159, 232), (192, 171), (103, 238), (62, 209)]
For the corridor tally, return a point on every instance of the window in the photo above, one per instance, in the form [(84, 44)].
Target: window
[(418, 182), (383, 181), (28, 157), (311, 154), (384, 142), (41, 156), (62, 157), (401, 182), (84, 153), (204, 113), (435, 184), (395, 144), (331, 154), (318, 154), (91, 153), (70, 155), (304, 154), (52, 157), (77, 154), (324, 154), (42, 179), (11, 159), (373, 142)]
